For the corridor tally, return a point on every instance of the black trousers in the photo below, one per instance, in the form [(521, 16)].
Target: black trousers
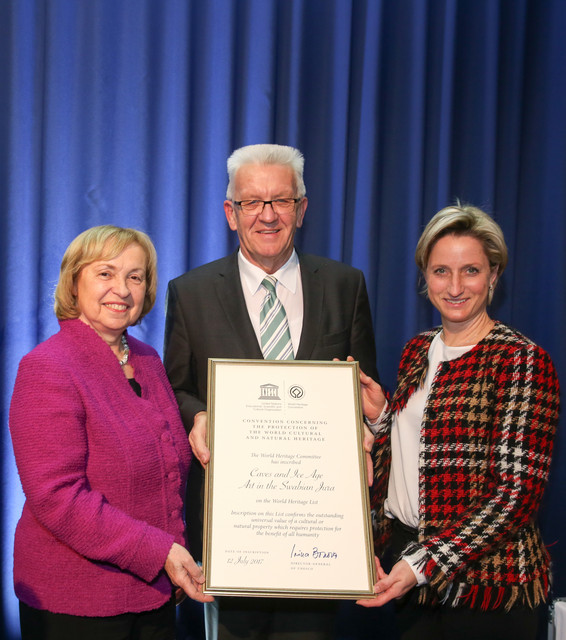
[(38, 624), (276, 619), (419, 622)]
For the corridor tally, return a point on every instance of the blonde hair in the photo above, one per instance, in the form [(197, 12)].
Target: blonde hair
[(464, 220), (101, 243)]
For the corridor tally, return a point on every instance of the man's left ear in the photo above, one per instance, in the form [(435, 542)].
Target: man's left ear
[(301, 211)]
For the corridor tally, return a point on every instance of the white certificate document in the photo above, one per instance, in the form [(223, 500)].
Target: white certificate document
[(286, 496)]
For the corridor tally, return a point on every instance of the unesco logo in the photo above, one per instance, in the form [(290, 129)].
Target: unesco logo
[(296, 392)]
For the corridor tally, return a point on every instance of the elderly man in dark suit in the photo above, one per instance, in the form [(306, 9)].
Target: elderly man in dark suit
[(216, 311)]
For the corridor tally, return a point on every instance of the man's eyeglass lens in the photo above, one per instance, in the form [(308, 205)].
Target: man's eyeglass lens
[(279, 206)]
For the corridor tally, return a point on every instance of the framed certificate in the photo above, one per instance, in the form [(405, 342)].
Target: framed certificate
[(286, 495)]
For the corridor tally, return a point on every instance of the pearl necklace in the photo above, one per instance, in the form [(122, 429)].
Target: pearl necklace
[(126, 349)]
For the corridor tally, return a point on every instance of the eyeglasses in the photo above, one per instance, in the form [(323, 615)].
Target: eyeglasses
[(280, 206)]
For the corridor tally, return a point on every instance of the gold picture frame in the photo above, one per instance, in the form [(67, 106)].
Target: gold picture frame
[(286, 498)]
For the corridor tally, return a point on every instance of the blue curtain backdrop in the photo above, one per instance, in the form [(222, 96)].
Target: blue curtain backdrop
[(124, 112)]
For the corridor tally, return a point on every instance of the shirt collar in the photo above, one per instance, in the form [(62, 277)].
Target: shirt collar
[(252, 276)]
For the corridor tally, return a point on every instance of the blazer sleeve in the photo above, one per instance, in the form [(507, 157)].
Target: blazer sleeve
[(362, 338), (179, 359)]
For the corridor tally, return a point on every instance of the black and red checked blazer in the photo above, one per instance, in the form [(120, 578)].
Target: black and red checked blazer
[(486, 444)]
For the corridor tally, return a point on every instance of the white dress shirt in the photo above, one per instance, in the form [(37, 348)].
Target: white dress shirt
[(403, 492), (402, 500), (289, 290)]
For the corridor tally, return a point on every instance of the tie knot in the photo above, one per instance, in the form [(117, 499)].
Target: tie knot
[(269, 283)]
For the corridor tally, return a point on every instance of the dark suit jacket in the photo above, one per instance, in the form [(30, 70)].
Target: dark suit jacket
[(207, 317)]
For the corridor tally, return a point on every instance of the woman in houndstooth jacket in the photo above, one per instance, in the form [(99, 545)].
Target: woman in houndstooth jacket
[(462, 452)]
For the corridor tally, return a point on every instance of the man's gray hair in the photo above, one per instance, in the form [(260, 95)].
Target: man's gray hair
[(276, 154)]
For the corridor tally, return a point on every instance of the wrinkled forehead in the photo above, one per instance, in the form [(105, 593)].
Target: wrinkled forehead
[(258, 179)]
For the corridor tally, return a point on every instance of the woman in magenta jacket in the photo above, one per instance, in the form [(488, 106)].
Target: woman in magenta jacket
[(102, 456)]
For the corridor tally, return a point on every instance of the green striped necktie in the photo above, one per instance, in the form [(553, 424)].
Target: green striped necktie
[(273, 326)]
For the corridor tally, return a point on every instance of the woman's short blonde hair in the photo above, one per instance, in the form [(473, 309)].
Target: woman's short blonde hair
[(101, 243), (464, 220)]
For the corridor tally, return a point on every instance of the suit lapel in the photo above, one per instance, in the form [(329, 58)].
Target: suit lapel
[(313, 295), (230, 296)]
